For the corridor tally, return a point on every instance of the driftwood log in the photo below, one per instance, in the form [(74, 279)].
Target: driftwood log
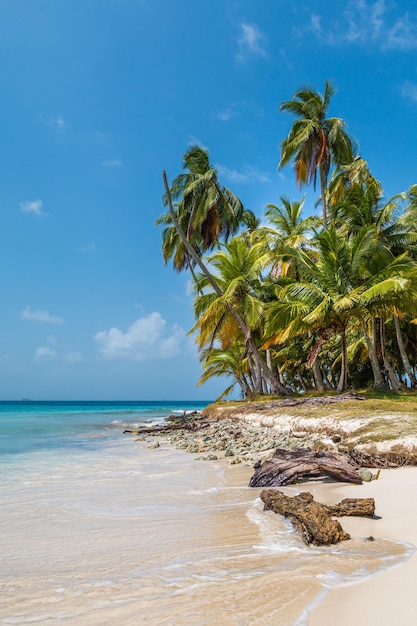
[(287, 467), (312, 518)]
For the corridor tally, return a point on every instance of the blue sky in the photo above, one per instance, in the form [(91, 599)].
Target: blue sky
[(98, 97)]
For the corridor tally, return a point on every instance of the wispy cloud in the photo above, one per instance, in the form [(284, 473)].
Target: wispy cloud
[(43, 352), (40, 316), (32, 206), (227, 114), (88, 248), (112, 163), (58, 123), (73, 357), (251, 42), (147, 338), (409, 90), (366, 23), (249, 174)]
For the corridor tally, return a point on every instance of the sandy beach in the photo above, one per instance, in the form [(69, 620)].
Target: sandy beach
[(388, 598), (109, 529), (385, 596)]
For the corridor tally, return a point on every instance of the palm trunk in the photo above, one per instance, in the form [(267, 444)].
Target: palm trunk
[(395, 384), (342, 384), (303, 382), (323, 198), (269, 375), (318, 378), (379, 380), (403, 353)]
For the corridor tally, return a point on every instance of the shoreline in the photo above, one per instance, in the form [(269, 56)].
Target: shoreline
[(385, 597)]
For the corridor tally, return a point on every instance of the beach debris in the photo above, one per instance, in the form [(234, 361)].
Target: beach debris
[(314, 519), (287, 467)]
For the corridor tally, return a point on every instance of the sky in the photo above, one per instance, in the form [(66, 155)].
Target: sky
[(97, 98)]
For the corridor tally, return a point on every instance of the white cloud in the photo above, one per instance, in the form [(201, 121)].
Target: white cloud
[(40, 316), (247, 175), (402, 35), (147, 338), (250, 42), (43, 352), (32, 206), (366, 23), (112, 163), (227, 114)]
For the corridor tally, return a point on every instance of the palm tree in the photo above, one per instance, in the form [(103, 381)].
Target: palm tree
[(209, 211), (314, 141), (240, 320), (228, 362), (346, 286), (237, 268), (288, 229)]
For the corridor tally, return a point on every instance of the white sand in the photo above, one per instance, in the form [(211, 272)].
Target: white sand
[(391, 597)]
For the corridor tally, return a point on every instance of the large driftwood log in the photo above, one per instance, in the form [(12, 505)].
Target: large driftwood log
[(287, 467), (312, 518)]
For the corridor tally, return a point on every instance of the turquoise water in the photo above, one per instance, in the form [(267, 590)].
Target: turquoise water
[(29, 426)]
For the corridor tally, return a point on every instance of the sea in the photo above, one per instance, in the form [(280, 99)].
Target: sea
[(97, 528)]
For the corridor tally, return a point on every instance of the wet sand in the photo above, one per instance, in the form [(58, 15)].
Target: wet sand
[(131, 535)]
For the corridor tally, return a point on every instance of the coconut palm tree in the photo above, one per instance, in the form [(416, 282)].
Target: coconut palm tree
[(242, 323), (211, 212), (288, 229), (314, 140), (236, 269), (346, 286), (231, 363)]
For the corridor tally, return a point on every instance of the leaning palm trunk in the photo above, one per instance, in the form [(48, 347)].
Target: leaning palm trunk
[(395, 384), (251, 346), (379, 380), (403, 353)]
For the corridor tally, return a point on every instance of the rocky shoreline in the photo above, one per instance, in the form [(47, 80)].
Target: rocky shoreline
[(250, 433), (212, 439)]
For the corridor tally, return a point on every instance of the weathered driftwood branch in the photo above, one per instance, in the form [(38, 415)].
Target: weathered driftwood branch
[(287, 467), (353, 507), (312, 518)]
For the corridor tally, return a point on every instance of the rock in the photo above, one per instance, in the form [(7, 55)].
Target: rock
[(211, 457), (365, 474), (153, 446), (193, 448), (229, 452)]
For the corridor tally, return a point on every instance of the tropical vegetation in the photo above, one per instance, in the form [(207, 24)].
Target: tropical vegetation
[(299, 303)]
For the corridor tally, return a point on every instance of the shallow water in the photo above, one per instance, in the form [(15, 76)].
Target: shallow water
[(110, 532)]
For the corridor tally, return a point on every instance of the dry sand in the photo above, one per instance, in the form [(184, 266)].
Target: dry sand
[(388, 598), (391, 597)]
